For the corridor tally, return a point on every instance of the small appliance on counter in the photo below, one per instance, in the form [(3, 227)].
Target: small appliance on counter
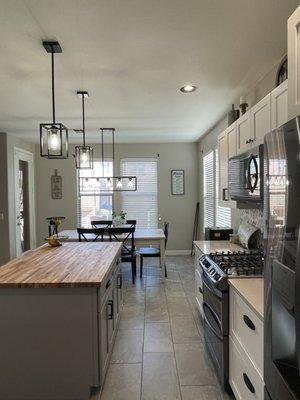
[(216, 233), (250, 236)]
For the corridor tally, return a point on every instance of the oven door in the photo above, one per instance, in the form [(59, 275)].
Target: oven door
[(246, 176), (216, 329)]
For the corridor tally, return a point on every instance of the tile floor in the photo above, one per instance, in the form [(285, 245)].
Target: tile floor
[(159, 352)]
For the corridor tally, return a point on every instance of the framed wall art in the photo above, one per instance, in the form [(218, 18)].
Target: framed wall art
[(177, 182), (56, 186)]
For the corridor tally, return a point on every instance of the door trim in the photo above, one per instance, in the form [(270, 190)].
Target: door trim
[(24, 155)]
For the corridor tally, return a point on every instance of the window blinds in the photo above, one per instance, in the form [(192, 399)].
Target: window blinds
[(142, 204), (214, 215)]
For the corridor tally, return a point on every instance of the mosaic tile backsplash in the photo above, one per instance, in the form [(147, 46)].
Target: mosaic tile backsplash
[(253, 217)]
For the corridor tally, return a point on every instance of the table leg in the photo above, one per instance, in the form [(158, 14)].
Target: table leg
[(162, 258)]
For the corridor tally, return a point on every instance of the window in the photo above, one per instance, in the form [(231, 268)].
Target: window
[(96, 206), (141, 204), (214, 214)]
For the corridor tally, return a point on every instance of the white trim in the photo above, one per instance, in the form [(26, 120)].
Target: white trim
[(178, 252), (24, 155)]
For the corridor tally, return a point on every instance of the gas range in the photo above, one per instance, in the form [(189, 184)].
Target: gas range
[(220, 266)]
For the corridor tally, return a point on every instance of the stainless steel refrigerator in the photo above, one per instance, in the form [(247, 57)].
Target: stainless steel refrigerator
[(282, 265)]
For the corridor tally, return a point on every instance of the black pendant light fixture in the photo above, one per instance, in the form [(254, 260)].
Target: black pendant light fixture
[(83, 154), (54, 135), (108, 184)]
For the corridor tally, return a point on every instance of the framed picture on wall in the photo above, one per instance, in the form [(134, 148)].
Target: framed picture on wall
[(177, 182), (56, 186)]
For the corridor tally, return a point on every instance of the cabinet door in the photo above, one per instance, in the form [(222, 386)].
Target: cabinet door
[(104, 345), (294, 64), (243, 132), (110, 318), (223, 166), (231, 135), (279, 105), (260, 120)]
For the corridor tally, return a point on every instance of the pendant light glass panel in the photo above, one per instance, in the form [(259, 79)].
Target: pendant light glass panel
[(92, 185), (84, 157), (54, 141)]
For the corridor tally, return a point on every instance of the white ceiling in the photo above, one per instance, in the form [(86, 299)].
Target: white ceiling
[(133, 56)]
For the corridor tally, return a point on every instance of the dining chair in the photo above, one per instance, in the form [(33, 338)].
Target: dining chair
[(94, 234), (147, 252), (128, 253), (101, 222)]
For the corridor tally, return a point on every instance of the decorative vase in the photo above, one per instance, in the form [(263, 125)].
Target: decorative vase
[(118, 221)]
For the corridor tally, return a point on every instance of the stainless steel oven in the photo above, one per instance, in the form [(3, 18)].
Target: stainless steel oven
[(246, 176)]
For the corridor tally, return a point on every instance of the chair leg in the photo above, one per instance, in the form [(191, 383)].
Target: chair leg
[(166, 274), (141, 266), (133, 269)]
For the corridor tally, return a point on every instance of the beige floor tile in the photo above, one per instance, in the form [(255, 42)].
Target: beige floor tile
[(128, 347), (203, 393), (156, 311), (154, 281), (184, 330), (135, 298), (123, 382), (158, 338), (132, 317), (178, 306), (159, 380), (194, 367)]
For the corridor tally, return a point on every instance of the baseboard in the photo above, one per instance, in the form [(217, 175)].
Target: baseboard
[(178, 252)]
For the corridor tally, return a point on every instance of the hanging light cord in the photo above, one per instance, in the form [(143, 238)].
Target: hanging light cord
[(102, 151), (83, 120), (53, 93)]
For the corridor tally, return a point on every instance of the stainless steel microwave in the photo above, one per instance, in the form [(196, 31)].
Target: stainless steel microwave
[(246, 176)]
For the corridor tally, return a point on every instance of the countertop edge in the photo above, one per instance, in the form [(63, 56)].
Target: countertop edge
[(240, 293)]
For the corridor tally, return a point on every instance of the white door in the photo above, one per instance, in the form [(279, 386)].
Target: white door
[(243, 129), (294, 63), (24, 201)]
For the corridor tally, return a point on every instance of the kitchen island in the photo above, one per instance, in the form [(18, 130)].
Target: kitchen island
[(59, 309)]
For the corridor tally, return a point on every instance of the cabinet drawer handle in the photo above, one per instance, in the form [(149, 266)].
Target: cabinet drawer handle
[(120, 281), (108, 284), (110, 309), (248, 322), (248, 383)]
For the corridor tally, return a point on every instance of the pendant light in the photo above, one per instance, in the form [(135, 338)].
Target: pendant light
[(108, 184), (54, 135), (83, 154)]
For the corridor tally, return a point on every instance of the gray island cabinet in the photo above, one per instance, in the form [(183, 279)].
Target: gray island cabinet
[(59, 309)]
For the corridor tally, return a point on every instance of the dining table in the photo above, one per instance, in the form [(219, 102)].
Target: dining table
[(143, 237)]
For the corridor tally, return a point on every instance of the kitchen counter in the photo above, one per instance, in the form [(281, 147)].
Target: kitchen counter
[(70, 265), (210, 246), (252, 291)]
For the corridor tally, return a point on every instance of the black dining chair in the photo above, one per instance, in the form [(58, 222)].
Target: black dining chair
[(128, 253), (90, 234), (101, 222), (147, 252)]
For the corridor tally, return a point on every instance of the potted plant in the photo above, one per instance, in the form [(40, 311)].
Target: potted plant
[(119, 219)]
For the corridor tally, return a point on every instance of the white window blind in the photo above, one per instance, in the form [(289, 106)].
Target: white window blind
[(209, 189), (96, 206), (214, 214), (223, 214), (141, 204)]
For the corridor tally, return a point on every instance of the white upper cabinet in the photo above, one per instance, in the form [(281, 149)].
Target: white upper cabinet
[(260, 121), (231, 135), (279, 105), (243, 132), (294, 64)]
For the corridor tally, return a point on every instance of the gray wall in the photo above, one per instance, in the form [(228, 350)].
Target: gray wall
[(7, 195), (178, 210)]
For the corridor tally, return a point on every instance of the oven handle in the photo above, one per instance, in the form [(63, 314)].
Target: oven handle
[(206, 306), (250, 186)]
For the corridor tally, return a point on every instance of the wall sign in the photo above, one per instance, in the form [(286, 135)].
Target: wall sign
[(177, 182), (56, 186)]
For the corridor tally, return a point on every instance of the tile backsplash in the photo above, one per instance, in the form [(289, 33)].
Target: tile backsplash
[(254, 217)]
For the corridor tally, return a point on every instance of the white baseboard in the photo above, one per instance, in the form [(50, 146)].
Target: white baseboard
[(178, 252)]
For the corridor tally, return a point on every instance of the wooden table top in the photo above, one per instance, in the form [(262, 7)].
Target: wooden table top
[(139, 234), (70, 265)]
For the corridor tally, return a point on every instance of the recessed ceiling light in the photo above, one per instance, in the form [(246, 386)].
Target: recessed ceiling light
[(188, 89)]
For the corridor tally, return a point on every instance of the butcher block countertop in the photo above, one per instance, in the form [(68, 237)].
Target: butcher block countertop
[(252, 291), (210, 246), (70, 265)]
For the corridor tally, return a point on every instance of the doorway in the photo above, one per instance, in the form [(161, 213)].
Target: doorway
[(24, 201)]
